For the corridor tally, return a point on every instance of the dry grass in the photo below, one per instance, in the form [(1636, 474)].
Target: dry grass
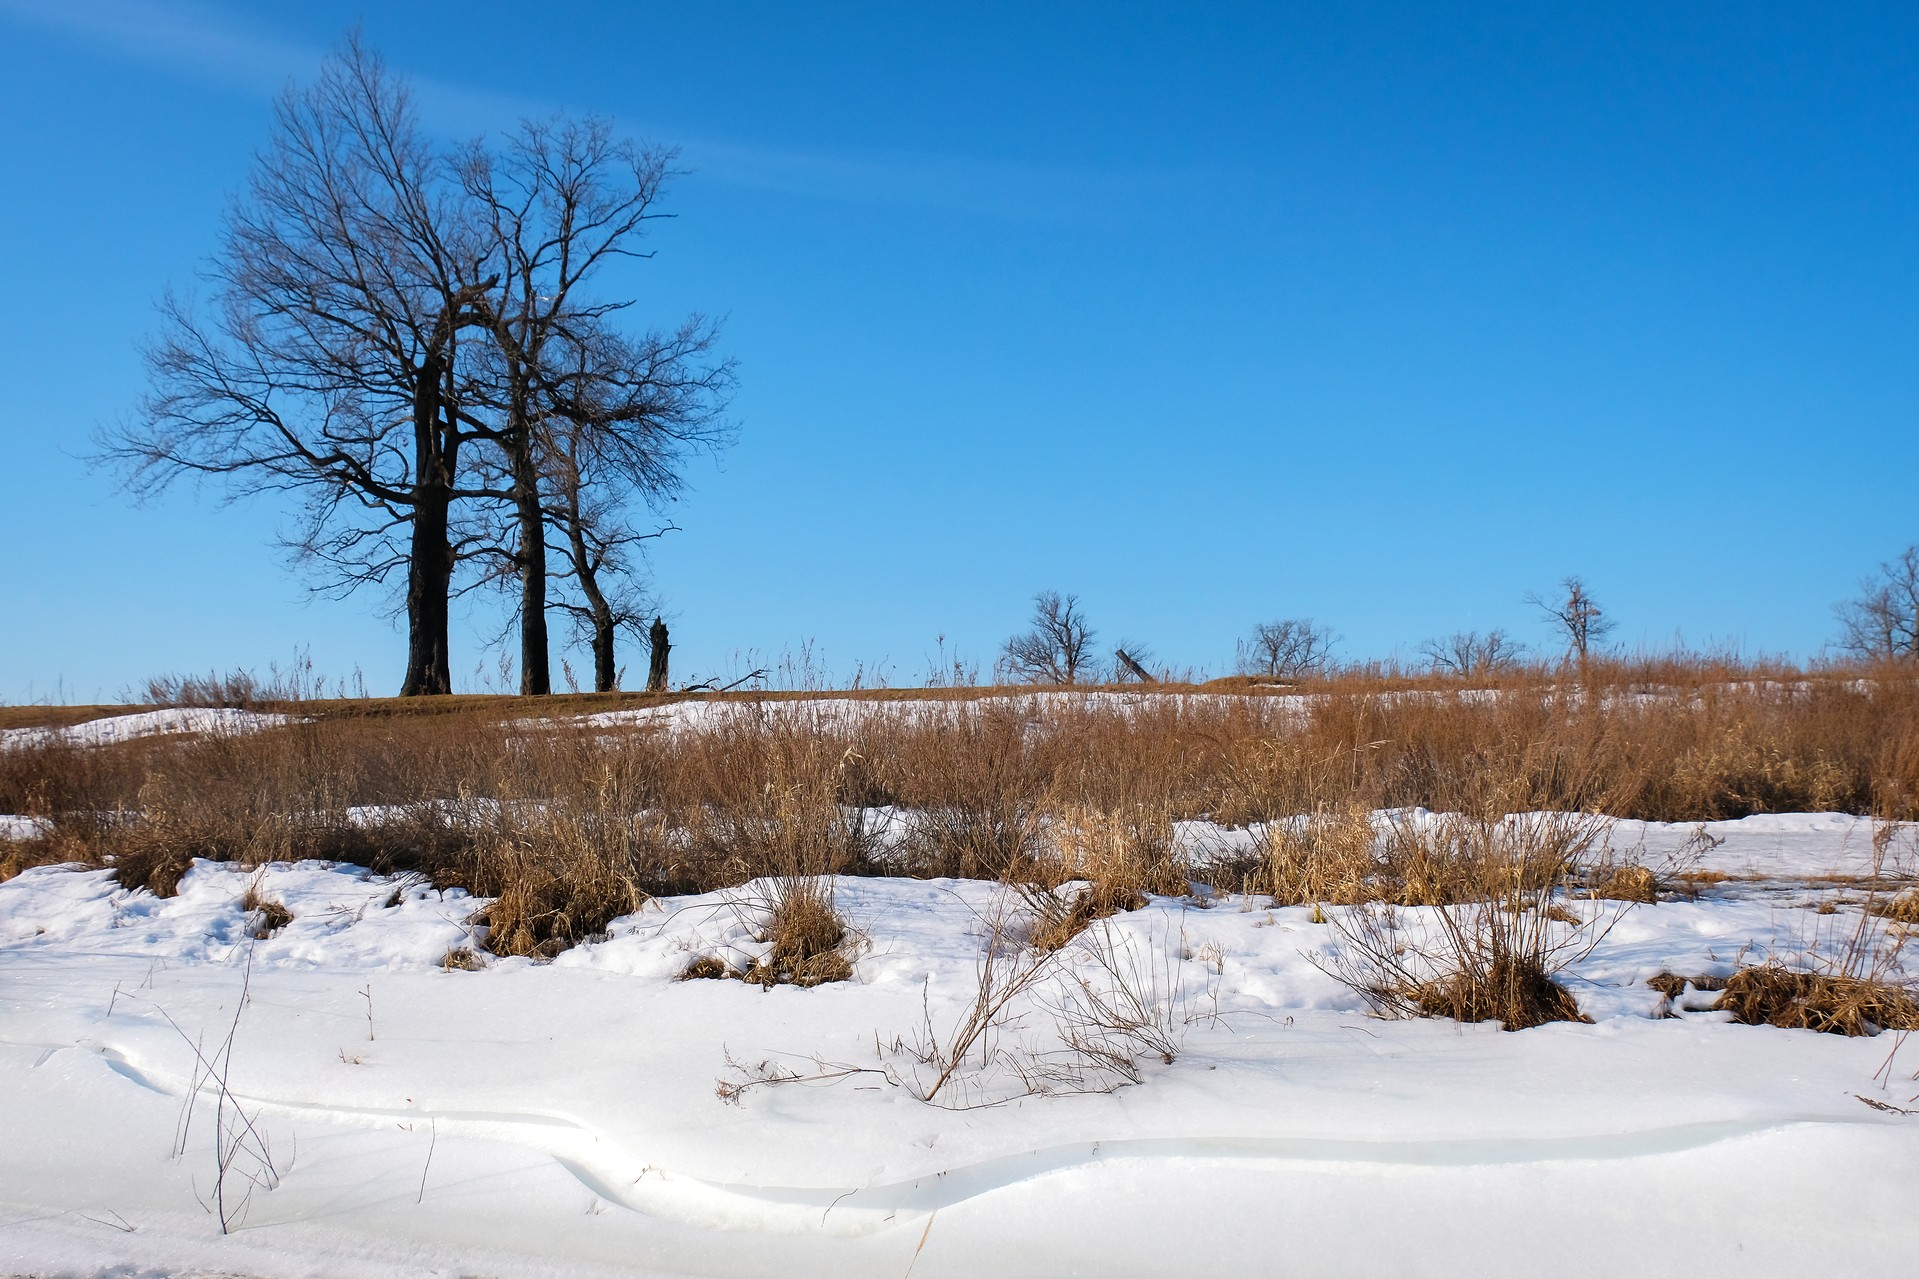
[(568, 828), (1626, 884), (1851, 977), (462, 959), (267, 916), (1495, 938), (1514, 990), (1903, 909), (1058, 920), (17, 855), (1835, 1003), (810, 943)]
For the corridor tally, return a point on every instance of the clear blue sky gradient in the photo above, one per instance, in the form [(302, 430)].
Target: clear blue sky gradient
[(1379, 314)]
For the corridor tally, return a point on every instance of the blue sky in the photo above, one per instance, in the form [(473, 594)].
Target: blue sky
[(1384, 315)]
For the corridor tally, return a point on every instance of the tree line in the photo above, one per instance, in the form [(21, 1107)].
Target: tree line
[(1880, 624), (406, 336)]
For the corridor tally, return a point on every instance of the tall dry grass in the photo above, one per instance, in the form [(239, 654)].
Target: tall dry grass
[(568, 827)]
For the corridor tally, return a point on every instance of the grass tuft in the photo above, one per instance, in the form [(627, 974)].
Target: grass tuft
[(1903, 908), (1837, 1004), (1058, 920), (1513, 990), (270, 916), (1627, 883), (809, 940), (462, 959), (154, 865)]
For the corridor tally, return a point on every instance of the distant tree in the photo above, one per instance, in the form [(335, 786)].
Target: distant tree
[(1578, 618), (1286, 649), (1882, 624), (1470, 653), (1056, 650)]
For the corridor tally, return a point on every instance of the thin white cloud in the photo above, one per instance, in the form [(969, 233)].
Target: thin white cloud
[(210, 44), (185, 38), (989, 188)]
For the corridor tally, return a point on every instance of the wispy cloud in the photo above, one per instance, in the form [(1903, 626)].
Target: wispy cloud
[(221, 47), (983, 188), (210, 45), (188, 39)]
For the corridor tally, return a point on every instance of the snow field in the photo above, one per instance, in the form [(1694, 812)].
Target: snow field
[(563, 1118)]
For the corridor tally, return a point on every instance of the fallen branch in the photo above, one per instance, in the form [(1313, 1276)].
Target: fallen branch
[(711, 686)]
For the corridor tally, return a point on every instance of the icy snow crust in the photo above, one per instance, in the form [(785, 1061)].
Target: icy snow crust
[(561, 1118)]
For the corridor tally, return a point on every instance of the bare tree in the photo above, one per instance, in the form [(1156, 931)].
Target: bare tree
[(1578, 617), (560, 201), (1882, 624), (1470, 653), (328, 366), (1286, 649), (600, 551), (1056, 650), (393, 334)]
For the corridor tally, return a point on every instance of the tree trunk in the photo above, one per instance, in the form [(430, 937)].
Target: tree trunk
[(429, 582), (606, 677), (536, 678), (536, 674), (1139, 672), (656, 670), (430, 561)]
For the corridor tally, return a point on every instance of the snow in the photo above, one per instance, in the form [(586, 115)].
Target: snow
[(562, 1118), (846, 713), (1778, 846), (1808, 845), (124, 728), (15, 826)]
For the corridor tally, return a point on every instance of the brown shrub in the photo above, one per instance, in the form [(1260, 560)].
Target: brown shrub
[(1513, 990)]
